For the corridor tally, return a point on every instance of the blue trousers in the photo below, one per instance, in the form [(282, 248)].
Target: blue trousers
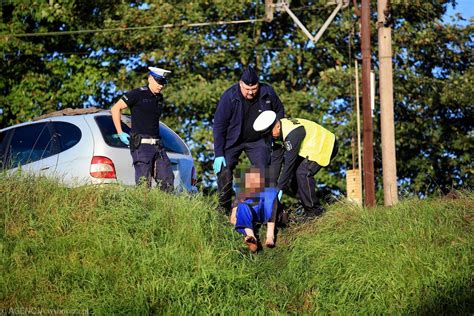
[(152, 162), (263, 210)]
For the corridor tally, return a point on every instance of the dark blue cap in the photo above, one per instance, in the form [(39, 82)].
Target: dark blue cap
[(249, 76)]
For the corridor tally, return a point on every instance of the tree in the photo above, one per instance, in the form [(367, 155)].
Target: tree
[(433, 93), (43, 73)]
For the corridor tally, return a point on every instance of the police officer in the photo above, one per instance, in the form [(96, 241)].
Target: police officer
[(235, 114), (307, 147), (146, 105)]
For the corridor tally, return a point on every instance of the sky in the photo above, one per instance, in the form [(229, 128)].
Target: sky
[(465, 7)]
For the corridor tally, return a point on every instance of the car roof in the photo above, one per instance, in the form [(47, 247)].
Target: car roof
[(70, 112)]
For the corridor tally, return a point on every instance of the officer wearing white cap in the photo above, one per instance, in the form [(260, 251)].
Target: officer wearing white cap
[(146, 105), (307, 147), (233, 133)]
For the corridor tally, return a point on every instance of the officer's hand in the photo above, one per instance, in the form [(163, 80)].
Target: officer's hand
[(218, 162), (124, 138), (280, 195)]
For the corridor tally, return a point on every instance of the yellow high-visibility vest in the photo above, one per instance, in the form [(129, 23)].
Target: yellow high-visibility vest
[(318, 143)]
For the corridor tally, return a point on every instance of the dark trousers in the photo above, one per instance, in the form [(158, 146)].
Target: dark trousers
[(152, 162), (303, 184), (258, 153)]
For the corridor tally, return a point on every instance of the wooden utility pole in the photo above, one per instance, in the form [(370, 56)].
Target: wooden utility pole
[(389, 164), (369, 185)]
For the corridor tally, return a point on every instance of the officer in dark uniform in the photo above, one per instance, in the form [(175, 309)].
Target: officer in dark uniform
[(235, 114), (307, 147), (146, 105)]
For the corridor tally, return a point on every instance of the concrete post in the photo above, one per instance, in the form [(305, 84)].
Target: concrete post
[(389, 163)]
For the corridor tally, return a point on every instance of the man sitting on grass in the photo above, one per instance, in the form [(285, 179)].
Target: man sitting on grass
[(254, 204)]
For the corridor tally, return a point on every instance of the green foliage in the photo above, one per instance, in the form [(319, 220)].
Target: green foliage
[(432, 73), (115, 250), (433, 100)]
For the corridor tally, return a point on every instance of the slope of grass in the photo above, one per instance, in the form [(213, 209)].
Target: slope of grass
[(133, 251), (415, 258)]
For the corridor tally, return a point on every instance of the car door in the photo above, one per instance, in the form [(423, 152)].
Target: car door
[(33, 148)]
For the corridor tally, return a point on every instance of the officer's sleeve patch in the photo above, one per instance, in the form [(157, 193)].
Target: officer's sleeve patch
[(288, 145)]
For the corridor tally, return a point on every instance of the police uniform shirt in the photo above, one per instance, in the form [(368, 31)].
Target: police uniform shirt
[(292, 144), (146, 108), (251, 110)]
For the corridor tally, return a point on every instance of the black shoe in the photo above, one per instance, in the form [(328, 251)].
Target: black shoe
[(296, 215), (301, 215), (299, 211), (283, 219), (314, 212)]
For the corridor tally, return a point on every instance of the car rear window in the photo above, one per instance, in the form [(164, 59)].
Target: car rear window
[(171, 142)]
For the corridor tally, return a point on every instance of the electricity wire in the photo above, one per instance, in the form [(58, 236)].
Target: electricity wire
[(139, 28), (133, 28)]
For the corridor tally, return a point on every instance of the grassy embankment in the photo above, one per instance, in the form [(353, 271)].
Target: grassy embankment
[(111, 250)]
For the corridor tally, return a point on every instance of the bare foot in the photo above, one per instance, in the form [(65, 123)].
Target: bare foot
[(251, 243), (270, 243)]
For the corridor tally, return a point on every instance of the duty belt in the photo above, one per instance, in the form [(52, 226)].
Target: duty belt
[(151, 141)]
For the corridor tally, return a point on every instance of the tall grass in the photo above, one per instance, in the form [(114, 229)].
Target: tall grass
[(133, 251)]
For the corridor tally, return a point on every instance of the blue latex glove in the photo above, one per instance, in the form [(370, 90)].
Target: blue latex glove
[(218, 162), (280, 194), (124, 138)]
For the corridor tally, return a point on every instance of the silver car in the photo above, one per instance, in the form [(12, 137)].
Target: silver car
[(80, 147)]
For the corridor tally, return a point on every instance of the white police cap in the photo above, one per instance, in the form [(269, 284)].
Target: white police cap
[(158, 72), (264, 121)]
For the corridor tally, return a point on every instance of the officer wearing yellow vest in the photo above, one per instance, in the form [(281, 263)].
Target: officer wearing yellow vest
[(307, 147)]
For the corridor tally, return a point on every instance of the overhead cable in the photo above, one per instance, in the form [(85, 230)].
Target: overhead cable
[(119, 29)]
